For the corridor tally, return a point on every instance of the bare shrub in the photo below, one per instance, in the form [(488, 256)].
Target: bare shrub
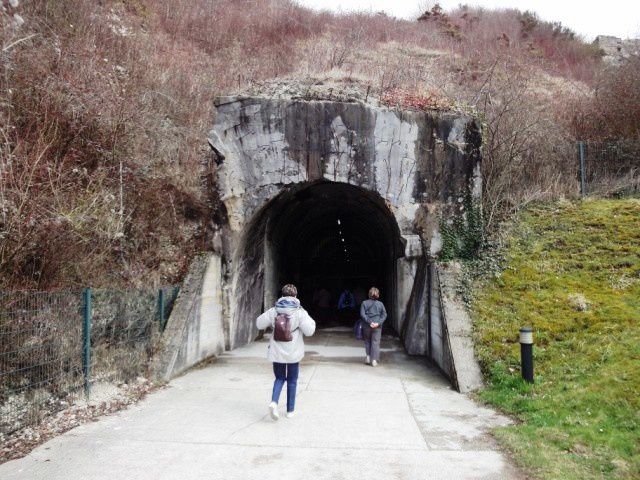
[(614, 111), (87, 129), (415, 100), (528, 154), (104, 108), (609, 121)]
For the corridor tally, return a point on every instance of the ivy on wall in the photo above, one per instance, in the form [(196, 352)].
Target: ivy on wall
[(463, 233)]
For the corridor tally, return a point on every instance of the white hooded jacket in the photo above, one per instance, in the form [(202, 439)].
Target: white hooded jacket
[(301, 325)]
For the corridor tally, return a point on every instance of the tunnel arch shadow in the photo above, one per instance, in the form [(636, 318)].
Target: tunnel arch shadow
[(319, 235)]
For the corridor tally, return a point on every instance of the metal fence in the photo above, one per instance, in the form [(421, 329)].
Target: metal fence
[(56, 347), (609, 168)]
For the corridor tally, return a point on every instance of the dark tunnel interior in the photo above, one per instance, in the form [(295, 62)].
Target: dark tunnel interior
[(332, 236)]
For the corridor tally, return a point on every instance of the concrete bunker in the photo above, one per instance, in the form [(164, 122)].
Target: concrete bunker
[(286, 171)]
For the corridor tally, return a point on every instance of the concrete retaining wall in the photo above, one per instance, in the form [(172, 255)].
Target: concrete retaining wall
[(450, 330), (195, 330)]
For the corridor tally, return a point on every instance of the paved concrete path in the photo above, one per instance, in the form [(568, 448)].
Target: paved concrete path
[(400, 420)]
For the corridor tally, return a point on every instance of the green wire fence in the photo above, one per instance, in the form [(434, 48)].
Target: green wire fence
[(55, 347), (610, 168)]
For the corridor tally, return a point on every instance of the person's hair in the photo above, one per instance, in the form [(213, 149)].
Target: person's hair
[(374, 293), (289, 290)]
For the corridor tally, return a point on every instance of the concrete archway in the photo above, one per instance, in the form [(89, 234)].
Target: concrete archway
[(286, 170), (416, 167), (327, 234)]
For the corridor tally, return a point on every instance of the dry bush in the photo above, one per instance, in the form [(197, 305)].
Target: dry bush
[(521, 35), (609, 122), (90, 139), (104, 109), (528, 154), (614, 111), (415, 100)]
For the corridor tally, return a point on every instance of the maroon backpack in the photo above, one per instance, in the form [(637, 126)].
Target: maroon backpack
[(282, 328)]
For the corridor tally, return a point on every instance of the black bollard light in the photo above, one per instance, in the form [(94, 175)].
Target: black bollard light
[(526, 353)]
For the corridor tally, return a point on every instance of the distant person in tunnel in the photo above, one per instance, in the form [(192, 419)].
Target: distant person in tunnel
[(290, 323), (346, 306), (373, 314)]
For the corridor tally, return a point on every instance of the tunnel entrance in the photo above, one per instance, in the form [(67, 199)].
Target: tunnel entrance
[(283, 172), (328, 237)]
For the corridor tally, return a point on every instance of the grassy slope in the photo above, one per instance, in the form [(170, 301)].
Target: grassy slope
[(581, 419)]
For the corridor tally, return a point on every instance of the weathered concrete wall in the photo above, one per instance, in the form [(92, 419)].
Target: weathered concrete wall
[(416, 333), (420, 164), (409, 170), (406, 270), (407, 157), (439, 350), (451, 343), (195, 330)]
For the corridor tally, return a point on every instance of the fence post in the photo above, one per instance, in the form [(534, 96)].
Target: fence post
[(161, 309), (86, 340), (582, 172)]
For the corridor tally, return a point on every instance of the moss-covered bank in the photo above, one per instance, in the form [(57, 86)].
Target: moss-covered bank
[(573, 273)]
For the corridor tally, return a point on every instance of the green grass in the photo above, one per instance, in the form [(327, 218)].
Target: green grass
[(573, 274)]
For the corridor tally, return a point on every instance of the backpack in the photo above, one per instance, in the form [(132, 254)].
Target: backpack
[(282, 328)]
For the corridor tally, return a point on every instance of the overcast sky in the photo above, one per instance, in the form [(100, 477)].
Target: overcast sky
[(586, 17)]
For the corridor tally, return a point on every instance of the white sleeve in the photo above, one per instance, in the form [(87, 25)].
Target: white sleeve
[(266, 319), (307, 324)]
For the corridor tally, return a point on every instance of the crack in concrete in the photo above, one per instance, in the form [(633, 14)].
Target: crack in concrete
[(244, 428), (302, 447)]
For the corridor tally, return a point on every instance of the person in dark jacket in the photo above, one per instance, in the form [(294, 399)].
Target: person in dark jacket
[(373, 314)]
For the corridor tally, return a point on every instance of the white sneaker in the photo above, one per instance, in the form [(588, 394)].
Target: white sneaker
[(367, 360), (291, 414), (273, 410), (374, 363)]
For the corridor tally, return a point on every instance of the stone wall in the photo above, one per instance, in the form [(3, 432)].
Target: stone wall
[(616, 50)]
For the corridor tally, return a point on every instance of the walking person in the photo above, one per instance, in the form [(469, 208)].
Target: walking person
[(373, 314), (290, 323)]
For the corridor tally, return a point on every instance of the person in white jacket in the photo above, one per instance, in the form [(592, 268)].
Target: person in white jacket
[(286, 356)]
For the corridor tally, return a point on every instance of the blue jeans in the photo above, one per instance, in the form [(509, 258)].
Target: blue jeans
[(285, 372)]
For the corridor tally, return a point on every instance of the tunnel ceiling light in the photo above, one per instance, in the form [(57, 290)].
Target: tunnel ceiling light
[(338, 221)]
